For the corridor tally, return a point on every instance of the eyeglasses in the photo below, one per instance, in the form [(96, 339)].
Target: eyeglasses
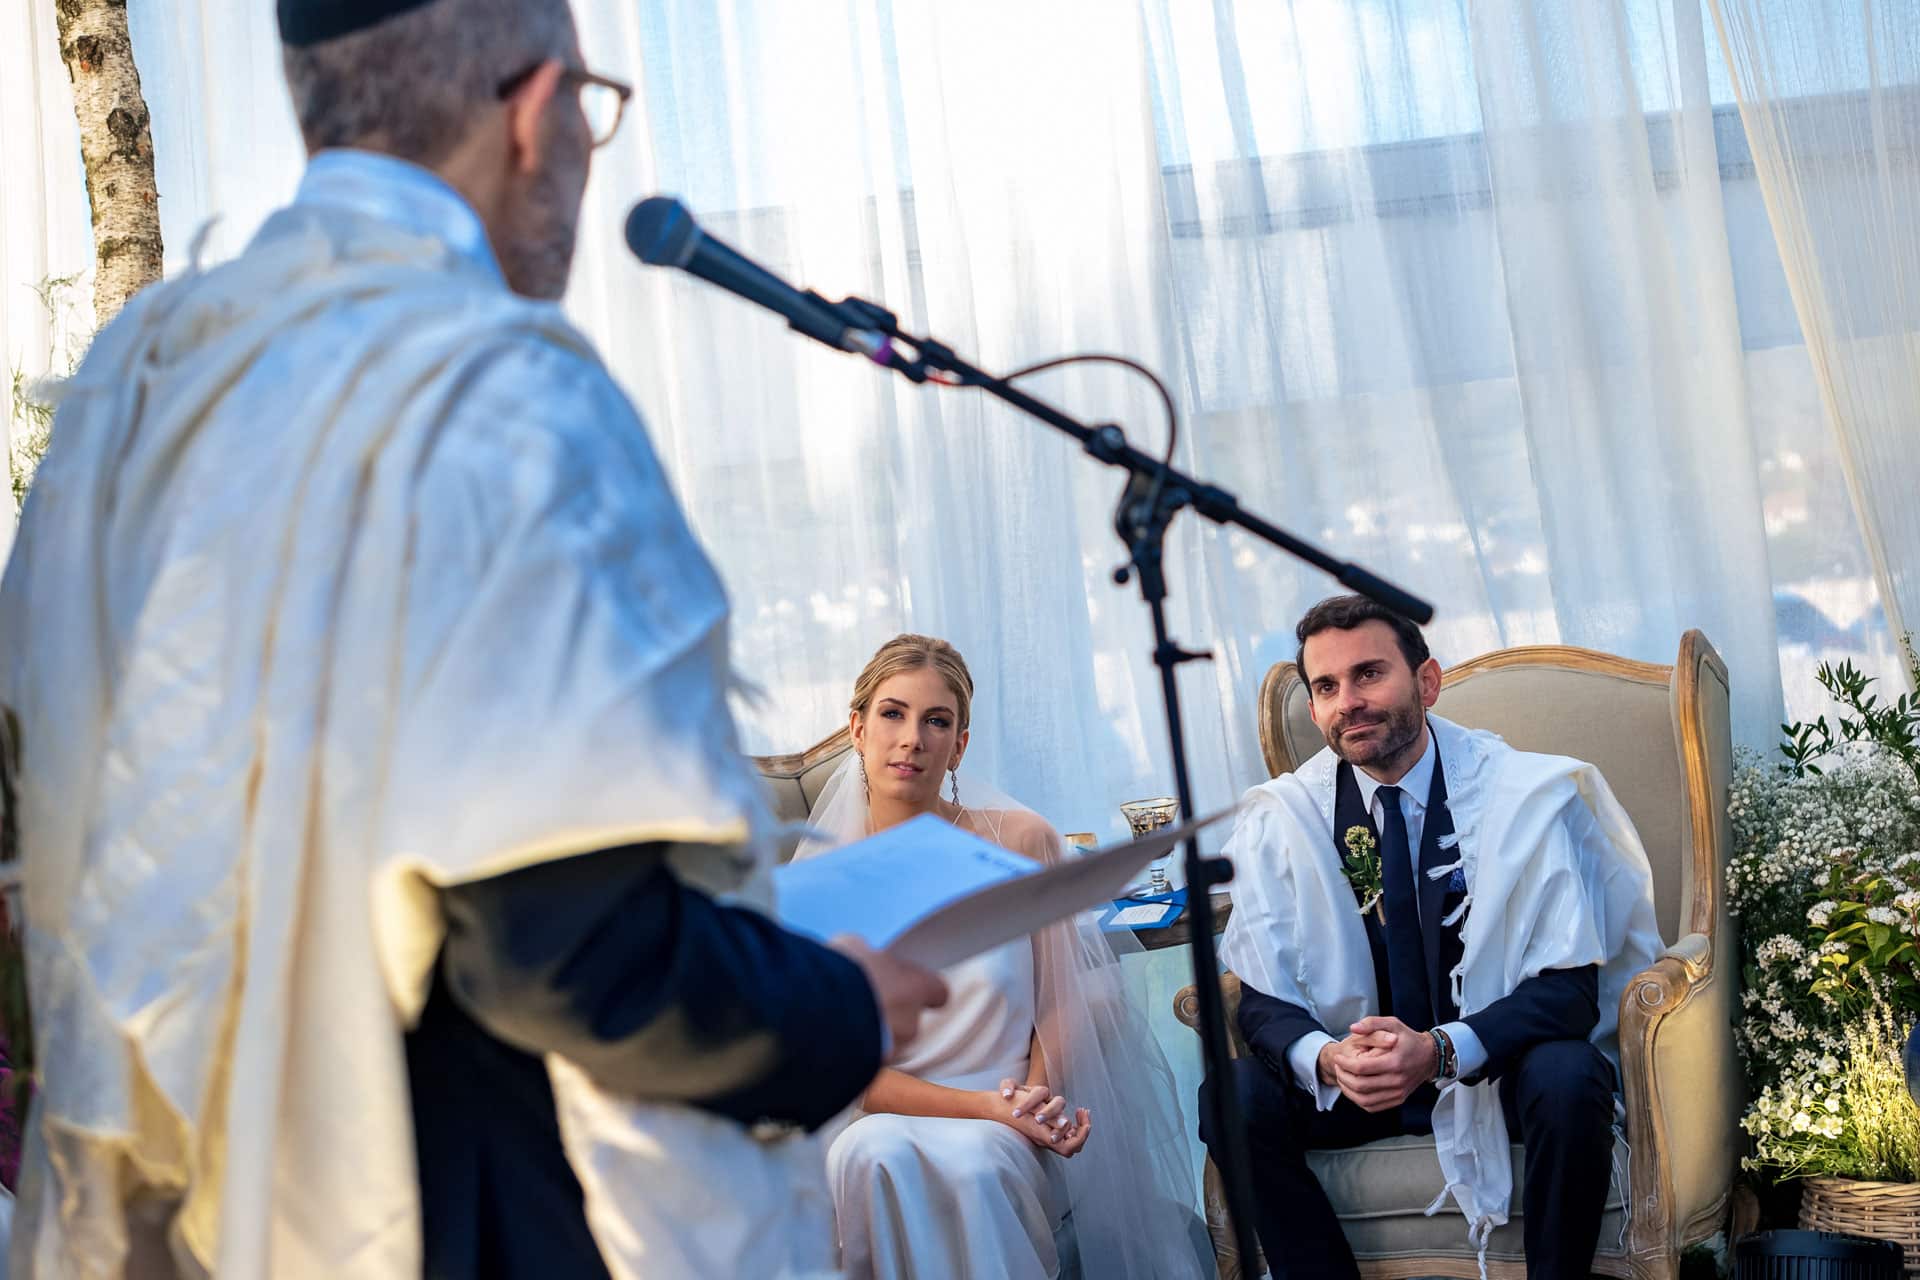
[(603, 101)]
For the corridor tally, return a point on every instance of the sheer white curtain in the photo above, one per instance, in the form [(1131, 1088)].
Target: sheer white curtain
[(1455, 290), (1829, 91), (1445, 285), (45, 233), (961, 167), (225, 151)]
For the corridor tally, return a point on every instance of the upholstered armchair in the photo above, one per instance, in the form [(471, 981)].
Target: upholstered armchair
[(794, 781), (1660, 735)]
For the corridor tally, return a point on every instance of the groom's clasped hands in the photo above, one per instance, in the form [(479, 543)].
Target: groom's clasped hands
[(1379, 1064)]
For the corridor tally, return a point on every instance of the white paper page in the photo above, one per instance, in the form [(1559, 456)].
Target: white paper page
[(1002, 912), (877, 887), (935, 894), (1130, 916)]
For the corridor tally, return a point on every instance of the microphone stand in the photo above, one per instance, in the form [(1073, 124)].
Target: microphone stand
[(1155, 493)]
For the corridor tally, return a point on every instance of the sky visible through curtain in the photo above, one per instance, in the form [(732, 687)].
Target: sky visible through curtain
[(1408, 122), (1411, 121)]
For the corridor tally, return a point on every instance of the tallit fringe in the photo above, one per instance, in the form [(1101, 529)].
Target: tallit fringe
[(1622, 1178), (197, 251), (1479, 1235), (1459, 913)]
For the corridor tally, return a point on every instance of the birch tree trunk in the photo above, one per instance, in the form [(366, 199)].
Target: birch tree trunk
[(116, 144)]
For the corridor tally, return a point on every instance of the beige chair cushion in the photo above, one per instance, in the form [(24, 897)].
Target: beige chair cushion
[(1381, 1192)]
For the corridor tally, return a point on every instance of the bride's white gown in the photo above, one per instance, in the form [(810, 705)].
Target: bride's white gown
[(925, 1196)]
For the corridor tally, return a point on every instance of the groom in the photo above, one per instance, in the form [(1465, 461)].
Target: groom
[(1432, 931)]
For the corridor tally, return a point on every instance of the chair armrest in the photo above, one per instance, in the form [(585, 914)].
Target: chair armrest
[(1683, 1095), (1694, 952), (1186, 1007)]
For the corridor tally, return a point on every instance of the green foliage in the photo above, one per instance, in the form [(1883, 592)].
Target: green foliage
[(1361, 867), (1893, 727), (30, 413), (1825, 878), (1849, 1117)]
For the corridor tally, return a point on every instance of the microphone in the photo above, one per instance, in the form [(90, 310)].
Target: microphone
[(1404, 603), (662, 233)]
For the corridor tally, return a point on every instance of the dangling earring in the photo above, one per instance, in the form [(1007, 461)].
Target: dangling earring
[(953, 776), (866, 789)]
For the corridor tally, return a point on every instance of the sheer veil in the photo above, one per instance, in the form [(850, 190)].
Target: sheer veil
[(1130, 1192)]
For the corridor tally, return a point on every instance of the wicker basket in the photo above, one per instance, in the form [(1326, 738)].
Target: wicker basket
[(1883, 1210)]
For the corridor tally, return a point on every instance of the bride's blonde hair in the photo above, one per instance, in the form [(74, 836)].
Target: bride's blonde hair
[(909, 652)]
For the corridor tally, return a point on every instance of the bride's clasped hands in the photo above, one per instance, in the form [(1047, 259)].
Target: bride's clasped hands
[(1042, 1117)]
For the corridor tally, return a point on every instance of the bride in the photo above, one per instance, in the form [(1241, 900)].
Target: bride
[(1031, 1129)]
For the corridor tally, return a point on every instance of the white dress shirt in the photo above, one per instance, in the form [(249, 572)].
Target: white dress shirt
[(1415, 785)]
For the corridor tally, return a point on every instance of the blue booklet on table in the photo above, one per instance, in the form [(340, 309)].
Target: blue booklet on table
[(1156, 912)]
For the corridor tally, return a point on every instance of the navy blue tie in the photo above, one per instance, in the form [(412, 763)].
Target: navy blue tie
[(1406, 953)]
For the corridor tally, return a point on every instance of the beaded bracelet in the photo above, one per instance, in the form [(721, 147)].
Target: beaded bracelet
[(1446, 1061)]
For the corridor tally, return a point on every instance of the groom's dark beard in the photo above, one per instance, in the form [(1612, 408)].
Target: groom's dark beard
[(1384, 752)]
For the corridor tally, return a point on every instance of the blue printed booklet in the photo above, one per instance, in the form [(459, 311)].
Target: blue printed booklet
[(1154, 912)]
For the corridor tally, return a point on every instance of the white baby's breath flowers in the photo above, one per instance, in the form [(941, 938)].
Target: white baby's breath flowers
[(1814, 853)]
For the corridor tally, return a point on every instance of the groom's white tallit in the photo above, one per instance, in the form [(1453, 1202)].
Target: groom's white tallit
[(256, 630), (1556, 878)]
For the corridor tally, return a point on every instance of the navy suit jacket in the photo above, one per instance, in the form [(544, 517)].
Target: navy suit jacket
[(1559, 1004), (608, 960)]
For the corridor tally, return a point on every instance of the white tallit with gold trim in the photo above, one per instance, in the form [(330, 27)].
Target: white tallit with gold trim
[(349, 574), (1556, 878)]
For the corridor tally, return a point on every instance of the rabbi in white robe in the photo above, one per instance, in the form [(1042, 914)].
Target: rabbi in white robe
[(388, 861)]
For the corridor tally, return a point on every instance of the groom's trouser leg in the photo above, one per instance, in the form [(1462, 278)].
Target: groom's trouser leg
[(1559, 1102), (1296, 1224)]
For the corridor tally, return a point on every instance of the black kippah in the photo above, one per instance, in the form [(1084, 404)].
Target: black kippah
[(304, 22)]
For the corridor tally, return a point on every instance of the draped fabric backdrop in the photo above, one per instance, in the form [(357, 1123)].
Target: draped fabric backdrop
[(45, 231), (1829, 91), (1456, 291), (1479, 292)]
